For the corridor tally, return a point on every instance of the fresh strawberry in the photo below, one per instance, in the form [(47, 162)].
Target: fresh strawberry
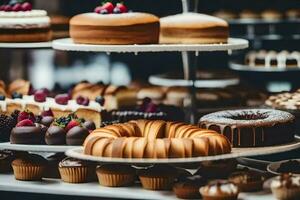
[(47, 113), (82, 101), (26, 6), (17, 7), (108, 6), (98, 9), (25, 122), (72, 124), (26, 115), (122, 7)]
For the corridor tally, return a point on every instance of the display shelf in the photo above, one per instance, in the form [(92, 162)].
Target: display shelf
[(163, 80), (36, 148), (236, 152), (247, 68), (273, 167), (67, 44), (262, 21), (29, 45), (57, 187)]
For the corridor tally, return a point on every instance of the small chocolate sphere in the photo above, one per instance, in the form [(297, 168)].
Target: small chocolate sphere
[(76, 135), (90, 125), (55, 135), (47, 120), (26, 135)]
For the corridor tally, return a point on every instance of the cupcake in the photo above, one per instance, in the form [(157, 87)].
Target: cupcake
[(29, 167), (52, 165), (286, 187), (76, 171), (188, 187), (158, 177), (247, 180), (219, 190), (6, 157), (217, 169), (112, 175)]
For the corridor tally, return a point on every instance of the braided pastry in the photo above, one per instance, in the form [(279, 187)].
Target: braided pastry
[(155, 139)]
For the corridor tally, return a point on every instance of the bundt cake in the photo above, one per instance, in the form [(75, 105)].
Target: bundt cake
[(154, 139)]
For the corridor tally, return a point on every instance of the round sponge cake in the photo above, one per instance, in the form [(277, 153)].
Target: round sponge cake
[(193, 28), (125, 28)]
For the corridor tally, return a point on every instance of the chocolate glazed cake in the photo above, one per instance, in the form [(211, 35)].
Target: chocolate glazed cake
[(252, 127)]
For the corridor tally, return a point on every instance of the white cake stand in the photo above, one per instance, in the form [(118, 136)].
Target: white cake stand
[(36, 148), (29, 45), (247, 68), (236, 152)]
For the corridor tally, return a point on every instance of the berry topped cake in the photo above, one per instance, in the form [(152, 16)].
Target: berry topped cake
[(113, 24), (19, 23)]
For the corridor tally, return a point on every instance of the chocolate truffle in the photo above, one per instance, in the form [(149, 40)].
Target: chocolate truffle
[(90, 125), (76, 135), (26, 135), (55, 135), (47, 120)]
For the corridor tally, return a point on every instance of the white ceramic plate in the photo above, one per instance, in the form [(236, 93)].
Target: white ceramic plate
[(29, 45), (273, 167)]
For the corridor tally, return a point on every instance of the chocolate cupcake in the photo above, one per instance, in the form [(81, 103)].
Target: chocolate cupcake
[(219, 190), (158, 177), (286, 187), (6, 158), (247, 180), (217, 169), (188, 187), (76, 135), (29, 167), (55, 135), (76, 171), (52, 165), (112, 175)]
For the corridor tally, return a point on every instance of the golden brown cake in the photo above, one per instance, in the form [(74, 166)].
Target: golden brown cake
[(60, 26), (19, 86), (225, 14), (125, 28), (271, 14), (193, 28), (154, 139)]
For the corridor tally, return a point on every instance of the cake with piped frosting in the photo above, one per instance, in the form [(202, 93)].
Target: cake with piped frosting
[(19, 23)]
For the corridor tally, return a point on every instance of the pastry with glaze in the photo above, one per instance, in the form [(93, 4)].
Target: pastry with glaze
[(219, 190)]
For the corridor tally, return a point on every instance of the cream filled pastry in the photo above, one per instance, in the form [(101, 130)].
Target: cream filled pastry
[(193, 28), (19, 23)]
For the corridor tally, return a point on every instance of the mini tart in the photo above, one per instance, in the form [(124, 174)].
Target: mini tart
[(158, 177), (286, 187), (247, 180), (125, 28), (6, 158), (219, 190), (76, 171), (29, 167), (217, 169), (188, 187), (193, 28), (115, 175)]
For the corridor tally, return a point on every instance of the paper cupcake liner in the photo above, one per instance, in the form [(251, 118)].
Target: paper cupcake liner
[(157, 183), (286, 193), (115, 180), (28, 173), (75, 174), (187, 192), (233, 197)]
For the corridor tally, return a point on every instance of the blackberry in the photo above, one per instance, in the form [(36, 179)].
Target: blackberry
[(6, 125), (15, 115)]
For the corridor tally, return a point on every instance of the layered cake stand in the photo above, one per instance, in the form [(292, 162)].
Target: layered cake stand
[(29, 45)]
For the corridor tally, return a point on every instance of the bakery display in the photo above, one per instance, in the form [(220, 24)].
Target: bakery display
[(247, 180), (290, 166), (188, 187), (222, 190), (193, 28), (112, 175), (252, 127), (273, 59), (154, 139), (76, 171), (29, 167), (20, 23), (113, 24), (286, 187)]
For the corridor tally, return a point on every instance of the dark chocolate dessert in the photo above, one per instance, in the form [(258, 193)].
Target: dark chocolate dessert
[(76, 135), (291, 166), (55, 135)]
